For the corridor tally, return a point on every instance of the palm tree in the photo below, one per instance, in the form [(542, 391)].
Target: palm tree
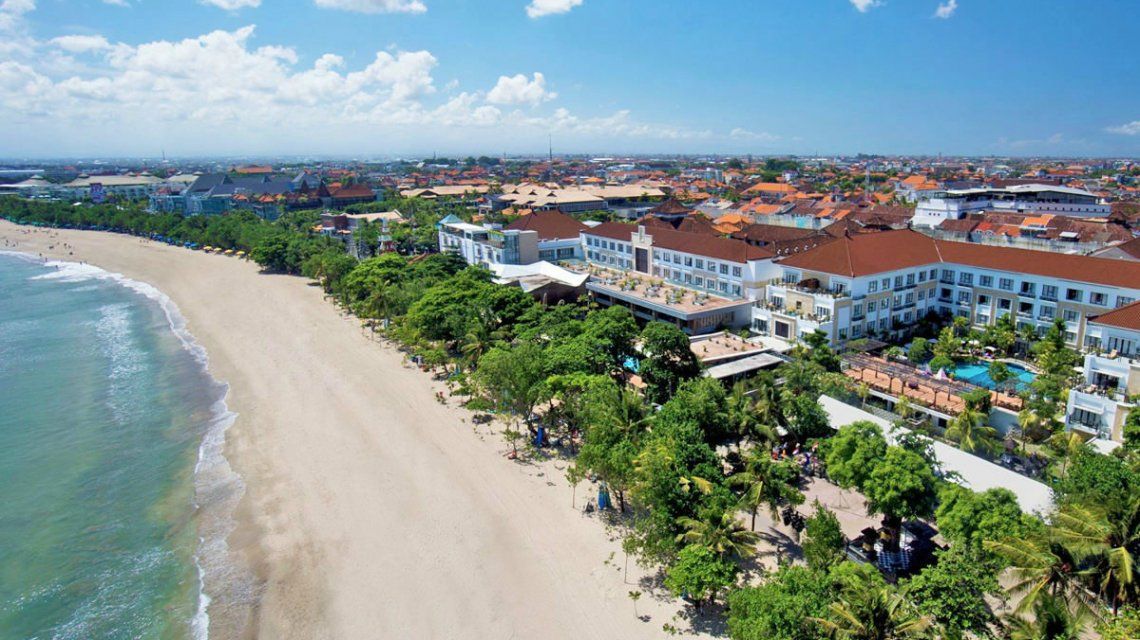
[(743, 418), (765, 481), (767, 401), (1067, 445), (1051, 620), (879, 614), (970, 434), (724, 535), (1041, 567), (864, 392), (904, 408), (1111, 542)]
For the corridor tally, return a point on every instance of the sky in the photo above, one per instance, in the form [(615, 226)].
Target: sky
[(372, 78)]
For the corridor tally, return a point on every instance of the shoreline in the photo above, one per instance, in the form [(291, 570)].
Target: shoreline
[(369, 506), (211, 473)]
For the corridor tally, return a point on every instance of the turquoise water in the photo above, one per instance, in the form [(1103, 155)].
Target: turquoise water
[(104, 409), (978, 373)]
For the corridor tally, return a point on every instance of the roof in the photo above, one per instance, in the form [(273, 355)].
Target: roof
[(770, 187), (1126, 317), (694, 243), (973, 472), (550, 225), (542, 270), (353, 191), (867, 254)]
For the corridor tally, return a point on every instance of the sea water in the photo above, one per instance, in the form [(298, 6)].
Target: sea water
[(110, 445)]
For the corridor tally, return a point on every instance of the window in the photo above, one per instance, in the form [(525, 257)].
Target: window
[(986, 281), (1004, 304), (947, 275), (1047, 312), (712, 266), (910, 298), (688, 261), (1124, 300), (898, 282), (983, 299), (1071, 316), (871, 306), (676, 258), (1049, 292), (944, 294), (857, 311), (873, 286), (736, 290), (886, 283), (1028, 289), (922, 276), (966, 279), (700, 263), (699, 281), (1005, 284), (1074, 295), (1025, 308), (910, 279), (736, 272), (724, 269), (933, 273), (1098, 299), (921, 296), (963, 297)]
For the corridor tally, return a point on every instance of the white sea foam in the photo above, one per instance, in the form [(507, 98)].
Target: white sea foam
[(217, 488)]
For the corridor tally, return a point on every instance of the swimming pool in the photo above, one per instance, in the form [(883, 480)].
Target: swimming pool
[(978, 373)]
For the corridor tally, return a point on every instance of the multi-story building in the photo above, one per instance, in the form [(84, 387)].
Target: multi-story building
[(487, 246), (1100, 404), (953, 204), (698, 281), (558, 234), (882, 283)]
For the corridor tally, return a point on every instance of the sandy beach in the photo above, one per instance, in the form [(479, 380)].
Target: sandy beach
[(371, 510)]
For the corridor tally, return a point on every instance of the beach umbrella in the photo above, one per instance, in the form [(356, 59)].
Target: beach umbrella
[(941, 375)]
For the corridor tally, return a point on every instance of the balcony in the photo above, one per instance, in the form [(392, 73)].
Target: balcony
[(807, 286)]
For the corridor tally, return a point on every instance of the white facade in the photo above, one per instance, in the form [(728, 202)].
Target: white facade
[(935, 207)]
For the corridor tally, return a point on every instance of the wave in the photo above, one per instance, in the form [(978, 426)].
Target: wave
[(217, 487)]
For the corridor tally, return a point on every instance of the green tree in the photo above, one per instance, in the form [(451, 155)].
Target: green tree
[(806, 419), (853, 452), (1125, 625), (668, 360), (820, 351), (971, 435), (919, 350), (1109, 542), (873, 614), (721, 533), (1000, 373), (513, 379), (968, 519), (953, 592), (782, 607), (699, 574), (766, 482), (617, 423), (901, 485), (824, 541), (1051, 619)]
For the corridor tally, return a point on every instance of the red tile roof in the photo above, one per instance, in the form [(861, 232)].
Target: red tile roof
[(867, 254), (1126, 317), (695, 243), (550, 225)]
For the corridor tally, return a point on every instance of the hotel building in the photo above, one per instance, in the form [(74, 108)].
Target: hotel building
[(882, 283)]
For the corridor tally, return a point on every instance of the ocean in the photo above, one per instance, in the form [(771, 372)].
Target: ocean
[(116, 498)]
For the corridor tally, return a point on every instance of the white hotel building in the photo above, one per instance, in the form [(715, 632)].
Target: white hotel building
[(882, 283), (953, 204)]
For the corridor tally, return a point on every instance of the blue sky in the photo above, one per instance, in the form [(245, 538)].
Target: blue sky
[(372, 77)]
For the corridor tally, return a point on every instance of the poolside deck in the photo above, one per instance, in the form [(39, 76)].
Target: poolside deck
[(899, 379)]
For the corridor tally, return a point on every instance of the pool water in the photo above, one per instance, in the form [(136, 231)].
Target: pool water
[(978, 373)]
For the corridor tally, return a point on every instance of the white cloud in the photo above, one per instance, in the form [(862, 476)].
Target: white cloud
[(117, 3), (518, 89), (375, 6), (863, 6), (744, 134), (1126, 129), (233, 5), (81, 43), (539, 8), (225, 92), (946, 9)]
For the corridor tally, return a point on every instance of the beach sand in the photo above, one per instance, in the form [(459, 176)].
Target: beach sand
[(371, 510)]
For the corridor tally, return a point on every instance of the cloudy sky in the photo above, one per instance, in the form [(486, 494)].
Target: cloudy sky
[(375, 77)]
